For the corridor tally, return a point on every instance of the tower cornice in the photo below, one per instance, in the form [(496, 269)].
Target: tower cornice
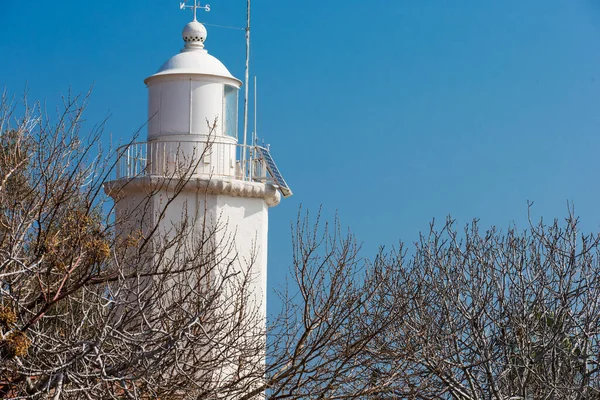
[(219, 186)]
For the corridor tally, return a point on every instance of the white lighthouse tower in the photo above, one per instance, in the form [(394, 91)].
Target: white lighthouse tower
[(192, 171)]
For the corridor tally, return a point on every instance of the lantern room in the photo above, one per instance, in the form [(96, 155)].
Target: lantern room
[(193, 93)]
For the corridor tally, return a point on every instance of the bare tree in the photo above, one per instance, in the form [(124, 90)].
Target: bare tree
[(332, 314), (100, 305), (495, 315), (90, 311)]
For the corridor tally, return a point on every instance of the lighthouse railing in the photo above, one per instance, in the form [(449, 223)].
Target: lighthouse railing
[(190, 158)]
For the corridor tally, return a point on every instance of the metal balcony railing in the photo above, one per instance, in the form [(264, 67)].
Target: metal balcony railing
[(191, 158)]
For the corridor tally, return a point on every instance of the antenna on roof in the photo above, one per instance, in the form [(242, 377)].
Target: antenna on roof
[(246, 81), (253, 152), (255, 134), (195, 7)]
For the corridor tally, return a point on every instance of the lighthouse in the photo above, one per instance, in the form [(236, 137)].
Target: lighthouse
[(192, 176)]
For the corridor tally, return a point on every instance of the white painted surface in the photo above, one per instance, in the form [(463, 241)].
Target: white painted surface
[(188, 91), (248, 219), (240, 243), (195, 61), (185, 105), (187, 102), (194, 31)]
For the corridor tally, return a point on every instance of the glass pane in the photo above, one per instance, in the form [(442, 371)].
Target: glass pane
[(230, 111)]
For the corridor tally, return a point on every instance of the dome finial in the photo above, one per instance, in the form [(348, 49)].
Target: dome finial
[(194, 33)]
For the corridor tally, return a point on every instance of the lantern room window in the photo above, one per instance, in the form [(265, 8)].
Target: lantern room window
[(230, 111)]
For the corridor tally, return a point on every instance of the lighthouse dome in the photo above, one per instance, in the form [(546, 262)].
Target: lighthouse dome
[(197, 62), (194, 59)]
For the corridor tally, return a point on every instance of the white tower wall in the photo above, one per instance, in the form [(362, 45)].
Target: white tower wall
[(249, 219)]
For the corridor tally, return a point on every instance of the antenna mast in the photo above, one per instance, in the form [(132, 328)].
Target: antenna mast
[(255, 134), (246, 82)]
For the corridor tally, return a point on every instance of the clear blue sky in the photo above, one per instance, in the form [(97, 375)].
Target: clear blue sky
[(391, 112)]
